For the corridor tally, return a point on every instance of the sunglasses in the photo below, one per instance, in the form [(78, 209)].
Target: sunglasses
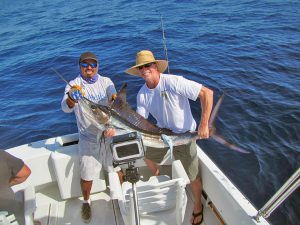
[(145, 65), (85, 65)]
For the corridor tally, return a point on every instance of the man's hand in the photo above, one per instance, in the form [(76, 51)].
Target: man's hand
[(75, 93), (109, 132), (203, 131)]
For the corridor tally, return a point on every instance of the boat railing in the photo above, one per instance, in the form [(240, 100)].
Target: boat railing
[(285, 191)]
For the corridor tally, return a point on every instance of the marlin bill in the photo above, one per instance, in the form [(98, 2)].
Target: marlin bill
[(122, 117)]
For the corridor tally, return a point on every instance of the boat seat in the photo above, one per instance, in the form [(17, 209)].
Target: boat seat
[(158, 195), (66, 166)]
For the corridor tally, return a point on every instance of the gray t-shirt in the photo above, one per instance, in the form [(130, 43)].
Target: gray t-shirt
[(9, 167)]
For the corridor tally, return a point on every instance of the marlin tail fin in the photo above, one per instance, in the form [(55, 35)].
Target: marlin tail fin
[(212, 128)]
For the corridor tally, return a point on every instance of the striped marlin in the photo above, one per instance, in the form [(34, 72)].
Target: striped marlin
[(121, 116)]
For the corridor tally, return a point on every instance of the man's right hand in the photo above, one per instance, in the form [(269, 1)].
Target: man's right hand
[(75, 93)]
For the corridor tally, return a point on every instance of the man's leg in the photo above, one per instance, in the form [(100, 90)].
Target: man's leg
[(187, 154), (86, 186), (86, 212), (153, 156), (196, 186), (154, 168)]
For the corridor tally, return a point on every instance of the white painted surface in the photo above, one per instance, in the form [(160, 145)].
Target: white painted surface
[(52, 209)]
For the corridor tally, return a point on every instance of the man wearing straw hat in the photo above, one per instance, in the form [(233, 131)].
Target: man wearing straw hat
[(166, 98)]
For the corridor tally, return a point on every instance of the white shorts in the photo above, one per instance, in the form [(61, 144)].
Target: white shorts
[(92, 158)]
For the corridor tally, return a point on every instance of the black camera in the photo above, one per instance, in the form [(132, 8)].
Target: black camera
[(127, 148)]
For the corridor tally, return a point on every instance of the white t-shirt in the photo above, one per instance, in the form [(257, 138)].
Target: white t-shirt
[(168, 102), (98, 92)]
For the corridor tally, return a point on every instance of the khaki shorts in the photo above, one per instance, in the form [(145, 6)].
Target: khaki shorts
[(187, 154), (92, 158)]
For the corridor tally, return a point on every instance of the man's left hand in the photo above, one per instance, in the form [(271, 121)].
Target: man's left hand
[(109, 132)]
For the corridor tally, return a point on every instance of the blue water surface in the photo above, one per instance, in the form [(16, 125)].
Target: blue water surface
[(250, 49)]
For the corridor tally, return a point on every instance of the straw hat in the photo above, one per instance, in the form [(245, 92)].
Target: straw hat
[(143, 57)]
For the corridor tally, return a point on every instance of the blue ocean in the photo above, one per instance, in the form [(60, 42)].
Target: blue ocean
[(248, 49)]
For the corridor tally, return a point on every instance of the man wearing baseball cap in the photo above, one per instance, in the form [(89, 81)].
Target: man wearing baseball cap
[(99, 89)]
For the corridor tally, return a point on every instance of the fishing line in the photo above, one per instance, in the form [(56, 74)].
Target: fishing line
[(163, 93), (164, 42)]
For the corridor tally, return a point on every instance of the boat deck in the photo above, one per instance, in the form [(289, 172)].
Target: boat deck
[(51, 210), (220, 196)]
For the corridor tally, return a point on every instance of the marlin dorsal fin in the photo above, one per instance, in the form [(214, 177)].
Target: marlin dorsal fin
[(120, 101), (122, 93)]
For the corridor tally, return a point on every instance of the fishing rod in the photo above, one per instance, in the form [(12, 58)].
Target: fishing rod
[(164, 42), (113, 97), (61, 76)]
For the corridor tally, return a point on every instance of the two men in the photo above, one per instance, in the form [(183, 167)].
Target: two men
[(165, 97)]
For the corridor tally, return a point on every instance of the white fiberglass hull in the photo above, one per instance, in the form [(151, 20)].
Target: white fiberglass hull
[(55, 204)]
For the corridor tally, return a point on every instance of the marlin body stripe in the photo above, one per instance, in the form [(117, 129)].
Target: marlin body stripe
[(121, 116)]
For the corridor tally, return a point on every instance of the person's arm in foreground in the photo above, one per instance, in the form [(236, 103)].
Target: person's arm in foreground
[(21, 176)]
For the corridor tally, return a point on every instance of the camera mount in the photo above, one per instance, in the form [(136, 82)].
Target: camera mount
[(126, 149)]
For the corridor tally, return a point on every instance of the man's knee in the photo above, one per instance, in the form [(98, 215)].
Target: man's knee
[(154, 168)]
